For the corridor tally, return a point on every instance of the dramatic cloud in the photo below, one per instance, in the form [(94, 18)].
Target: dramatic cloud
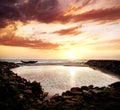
[(8, 1), (42, 10), (52, 10), (7, 15), (99, 15), (21, 42), (61, 25)]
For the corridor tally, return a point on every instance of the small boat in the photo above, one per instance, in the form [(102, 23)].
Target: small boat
[(28, 61)]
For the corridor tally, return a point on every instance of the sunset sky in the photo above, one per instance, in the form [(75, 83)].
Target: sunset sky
[(60, 29)]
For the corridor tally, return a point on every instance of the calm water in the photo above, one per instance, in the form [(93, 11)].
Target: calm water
[(56, 79)]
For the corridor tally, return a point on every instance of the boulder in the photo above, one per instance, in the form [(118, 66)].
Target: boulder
[(96, 91), (84, 88), (28, 87), (21, 85), (70, 102), (12, 83), (27, 91), (57, 97), (36, 89), (74, 89), (21, 96), (76, 93), (115, 85), (45, 94), (39, 102), (90, 86), (87, 95), (67, 97), (67, 93)]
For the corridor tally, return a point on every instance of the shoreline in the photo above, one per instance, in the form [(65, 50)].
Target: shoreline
[(108, 66), (30, 95)]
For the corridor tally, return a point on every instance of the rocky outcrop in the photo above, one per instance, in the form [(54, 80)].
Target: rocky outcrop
[(89, 98), (17, 93), (109, 65)]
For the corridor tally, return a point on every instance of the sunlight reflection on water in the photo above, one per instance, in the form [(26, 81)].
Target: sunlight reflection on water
[(57, 79)]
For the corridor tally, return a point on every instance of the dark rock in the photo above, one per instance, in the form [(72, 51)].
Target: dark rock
[(21, 85), (12, 83), (21, 96), (85, 92), (45, 94), (108, 65), (76, 93), (67, 97), (24, 80), (67, 93), (52, 101), (5, 77), (74, 99), (70, 101), (90, 86), (28, 87), (36, 89), (87, 95), (19, 79), (39, 102), (57, 97), (115, 85), (74, 89), (17, 93), (96, 91), (27, 91), (84, 88)]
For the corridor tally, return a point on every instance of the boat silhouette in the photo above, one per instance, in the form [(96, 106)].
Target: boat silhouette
[(28, 61)]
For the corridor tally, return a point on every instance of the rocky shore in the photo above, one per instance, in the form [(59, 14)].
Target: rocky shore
[(112, 66), (17, 93)]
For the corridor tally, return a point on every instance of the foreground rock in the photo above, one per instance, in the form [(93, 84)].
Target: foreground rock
[(89, 98), (17, 93)]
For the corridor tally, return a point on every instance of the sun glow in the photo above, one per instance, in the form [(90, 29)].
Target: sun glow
[(70, 54), (74, 52)]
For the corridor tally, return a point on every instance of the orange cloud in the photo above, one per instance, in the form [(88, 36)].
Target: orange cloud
[(21, 42), (106, 15), (99, 15), (70, 31)]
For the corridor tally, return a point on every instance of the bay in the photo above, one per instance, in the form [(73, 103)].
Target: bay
[(58, 78)]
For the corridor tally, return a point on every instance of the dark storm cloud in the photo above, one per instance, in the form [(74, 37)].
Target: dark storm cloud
[(21, 42), (8, 1), (48, 11), (41, 10), (7, 14)]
